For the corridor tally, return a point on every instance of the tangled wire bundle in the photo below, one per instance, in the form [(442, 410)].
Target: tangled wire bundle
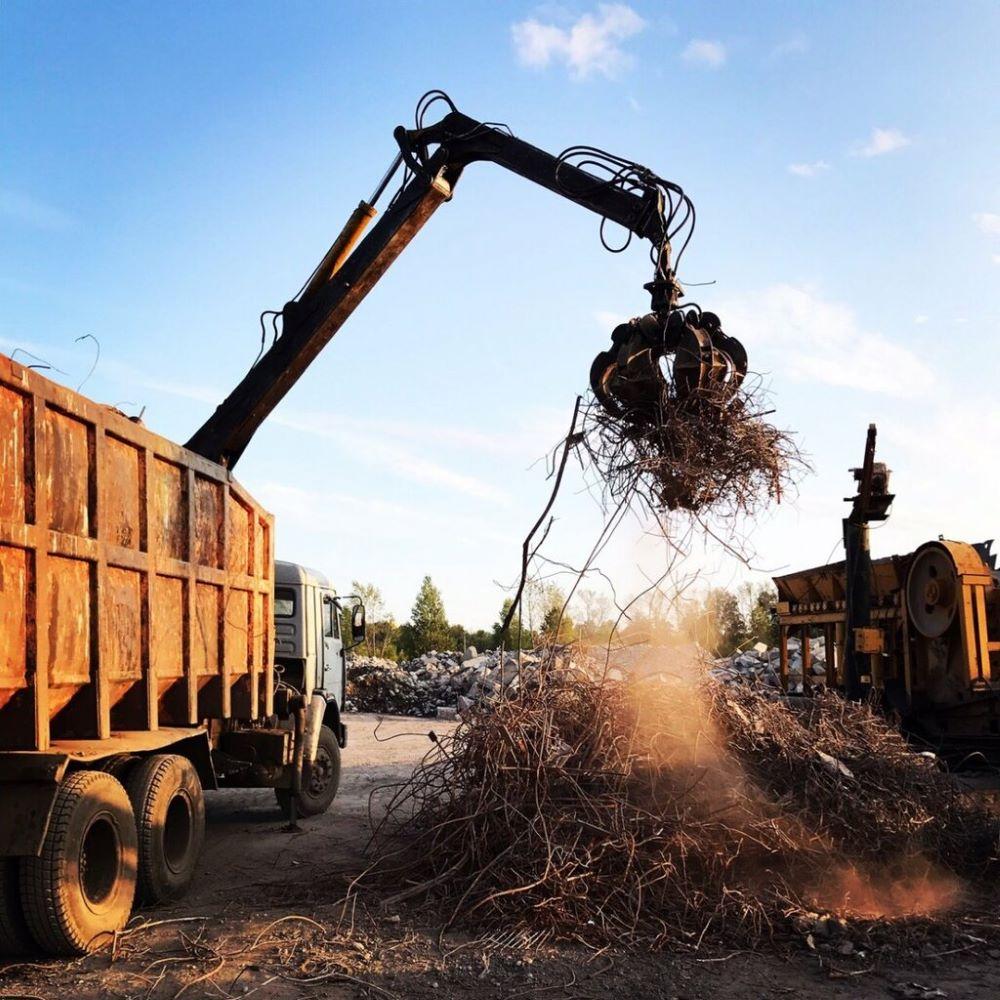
[(616, 812), (851, 774), (712, 451)]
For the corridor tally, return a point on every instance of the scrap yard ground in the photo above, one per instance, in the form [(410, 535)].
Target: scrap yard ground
[(261, 920)]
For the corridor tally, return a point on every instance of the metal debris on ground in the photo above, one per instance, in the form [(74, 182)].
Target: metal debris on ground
[(661, 812)]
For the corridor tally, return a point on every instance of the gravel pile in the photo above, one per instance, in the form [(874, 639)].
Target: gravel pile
[(760, 665), (448, 684), (435, 684)]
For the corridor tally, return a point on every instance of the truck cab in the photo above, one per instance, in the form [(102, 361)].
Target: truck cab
[(309, 649)]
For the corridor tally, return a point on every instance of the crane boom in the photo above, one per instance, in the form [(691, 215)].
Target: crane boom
[(433, 159)]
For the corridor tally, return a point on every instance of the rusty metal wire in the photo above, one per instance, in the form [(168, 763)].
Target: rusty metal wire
[(658, 813), (712, 452)]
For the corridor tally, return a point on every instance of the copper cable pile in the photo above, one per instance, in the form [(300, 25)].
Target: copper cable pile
[(712, 451), (617, 813)]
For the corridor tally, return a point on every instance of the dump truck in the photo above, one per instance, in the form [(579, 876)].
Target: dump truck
[(150, 645), (150, 648)]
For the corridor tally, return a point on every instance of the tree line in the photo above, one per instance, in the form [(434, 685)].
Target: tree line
[(720, 621)]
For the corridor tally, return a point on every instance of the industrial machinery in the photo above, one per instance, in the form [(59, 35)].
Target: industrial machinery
[(139, 598), (920, 631)]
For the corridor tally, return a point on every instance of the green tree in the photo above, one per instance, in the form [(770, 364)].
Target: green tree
[(482, 639), (757, 603), (405, 641), (457, 637), (593, 614), (716, 622), (511, 639), (557, 626), (428, 620), (381, 628)]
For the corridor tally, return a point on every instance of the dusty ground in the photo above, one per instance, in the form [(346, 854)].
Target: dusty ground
[(262, 920)]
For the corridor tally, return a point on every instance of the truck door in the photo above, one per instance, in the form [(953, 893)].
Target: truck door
[(331, 646)]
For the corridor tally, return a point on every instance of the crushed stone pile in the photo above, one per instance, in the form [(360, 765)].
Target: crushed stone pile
[(445, 684), (760, 665), (448, 684)]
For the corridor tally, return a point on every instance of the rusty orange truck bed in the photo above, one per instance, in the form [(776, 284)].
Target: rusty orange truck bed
[(135, 576)]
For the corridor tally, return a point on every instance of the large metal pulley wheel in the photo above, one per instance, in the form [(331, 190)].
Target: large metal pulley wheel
[(932, 590)]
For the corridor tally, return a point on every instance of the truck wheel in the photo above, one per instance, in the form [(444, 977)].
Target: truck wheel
[(14, 936), (80, 890), (320, 790), (169, 806)]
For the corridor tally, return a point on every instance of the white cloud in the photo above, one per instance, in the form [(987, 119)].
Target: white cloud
[(34, 213), (702, 52), (882, 141), (395, 457), (384, 444), (808, 169), (311, 509), (988, 222), (996, 258), (591, 44), (920, 319), (813, 339)]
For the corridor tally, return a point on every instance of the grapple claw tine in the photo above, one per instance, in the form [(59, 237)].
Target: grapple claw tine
[(629, 382)]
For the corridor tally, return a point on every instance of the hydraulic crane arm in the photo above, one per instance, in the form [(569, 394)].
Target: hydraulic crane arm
[(432, 160)]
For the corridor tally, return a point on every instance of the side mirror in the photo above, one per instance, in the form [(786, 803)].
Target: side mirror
[(358, 624)]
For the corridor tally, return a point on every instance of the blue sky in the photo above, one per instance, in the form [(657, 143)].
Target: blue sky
[(168, 171)]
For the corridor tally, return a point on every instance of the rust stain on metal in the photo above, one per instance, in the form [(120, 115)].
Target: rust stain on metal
[(135, 576)]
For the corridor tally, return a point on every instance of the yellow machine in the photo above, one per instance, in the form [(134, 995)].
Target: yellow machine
[(924, 635)]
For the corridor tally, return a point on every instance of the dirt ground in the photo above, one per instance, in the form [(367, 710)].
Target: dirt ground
[(263, 920)]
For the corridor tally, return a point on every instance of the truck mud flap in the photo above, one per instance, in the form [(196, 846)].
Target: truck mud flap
[(28, 786)]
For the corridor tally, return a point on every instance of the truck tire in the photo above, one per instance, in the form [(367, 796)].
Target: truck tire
[(320, 790), (169, 806), (119, 765), (81, 888), (14, 936)]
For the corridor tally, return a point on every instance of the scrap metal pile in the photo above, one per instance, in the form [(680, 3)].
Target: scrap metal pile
[(664, 812)]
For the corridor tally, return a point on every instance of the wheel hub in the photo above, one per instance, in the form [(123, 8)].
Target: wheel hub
[(321, 773)]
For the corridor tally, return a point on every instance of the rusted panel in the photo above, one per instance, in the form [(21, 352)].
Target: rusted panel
[(259, 630), (240, 541), (208, 615), (121, 631), (68, 603), (67, 474), (168, 613), (14, 621), (238, 625), (169, 510), (264, 559), (207, 522), (123, 494), (133, 573), (15, 456)]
